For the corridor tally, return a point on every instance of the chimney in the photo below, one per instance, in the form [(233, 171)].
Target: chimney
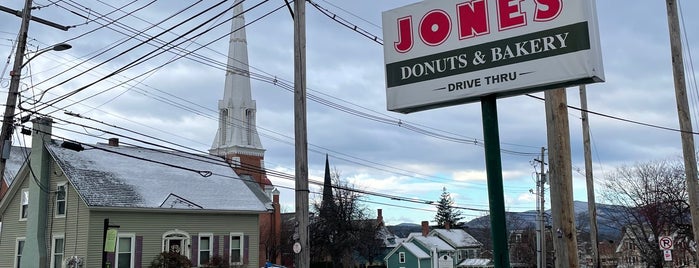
[(425, 228), (447, 225), (114, 142), (277, 218), (379, 217), (36, 225)]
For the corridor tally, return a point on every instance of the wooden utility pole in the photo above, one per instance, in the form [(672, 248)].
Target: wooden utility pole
[(303, 257), (561, 179), (8, 124), (589, 180), (540, 195), (690, 158)]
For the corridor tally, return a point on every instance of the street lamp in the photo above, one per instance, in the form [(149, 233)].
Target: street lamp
[(56, 47), (8, 118)]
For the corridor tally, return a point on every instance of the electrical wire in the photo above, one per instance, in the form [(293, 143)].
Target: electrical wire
[(251, 168), (379, 119), (689, 68), (619, 118), (571, 107), (140, 59), (346, 23)]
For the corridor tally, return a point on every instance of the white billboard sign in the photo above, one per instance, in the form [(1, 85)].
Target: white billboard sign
[(444, 52)]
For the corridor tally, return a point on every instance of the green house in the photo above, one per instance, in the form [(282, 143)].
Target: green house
[(408, 255), (65, 193), (439, 248)]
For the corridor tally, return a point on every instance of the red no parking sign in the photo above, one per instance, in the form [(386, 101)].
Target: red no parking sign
[(665, 243)]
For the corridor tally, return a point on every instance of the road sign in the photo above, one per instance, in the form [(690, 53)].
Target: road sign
[(667, 255), (665, 243)]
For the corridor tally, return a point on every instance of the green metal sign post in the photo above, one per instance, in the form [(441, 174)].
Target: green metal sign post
[(493, 167)]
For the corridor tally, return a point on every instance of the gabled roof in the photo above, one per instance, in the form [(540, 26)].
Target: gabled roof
[(415, 250), (133, 177), (457, 238), (388, 238), (430, 241), (18, 155), (410, 247)]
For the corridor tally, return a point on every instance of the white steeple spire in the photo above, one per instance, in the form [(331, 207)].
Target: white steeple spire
[(237, 130)]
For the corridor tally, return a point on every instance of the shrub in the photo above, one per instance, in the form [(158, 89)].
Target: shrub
[(171, 260)]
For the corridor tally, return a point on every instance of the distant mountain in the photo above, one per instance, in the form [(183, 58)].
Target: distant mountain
[(404, 229), (608, 227)]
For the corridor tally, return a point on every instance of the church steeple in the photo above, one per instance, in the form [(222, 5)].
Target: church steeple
[(237, 137)]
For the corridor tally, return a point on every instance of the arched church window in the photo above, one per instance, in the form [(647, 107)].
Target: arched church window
[(223, 125), (249, 119)]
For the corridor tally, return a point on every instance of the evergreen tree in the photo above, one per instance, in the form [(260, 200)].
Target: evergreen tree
[(343, 229), (446, 211)]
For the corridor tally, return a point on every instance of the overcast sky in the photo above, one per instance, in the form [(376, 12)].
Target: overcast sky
[(177, 102)]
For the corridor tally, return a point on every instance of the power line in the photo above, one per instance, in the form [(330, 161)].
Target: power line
[(251, 168), (355, 112), (354, 27), (143, 58), (618, 118), (346, 23)]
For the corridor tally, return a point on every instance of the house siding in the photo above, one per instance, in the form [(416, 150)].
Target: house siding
[(73, 226), (152, 225), (411, 261), (426, 263), (12, 228)]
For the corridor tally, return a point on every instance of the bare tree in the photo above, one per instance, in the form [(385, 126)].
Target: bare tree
[(652, 199), (343, 227), (522, 240)]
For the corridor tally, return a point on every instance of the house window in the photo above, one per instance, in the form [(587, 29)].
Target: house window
[(57, 251), (236, 248), (19, 248), (401, 257), (176, 241), (24, 207), (124, 255), (205, 246), (61, 200), (472, 253)]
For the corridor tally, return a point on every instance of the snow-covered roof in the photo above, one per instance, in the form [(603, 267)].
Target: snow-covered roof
[(430, 241), (18, 155), (475, 263), (415, 250), (388, 238), (457, 237), (135, 177)]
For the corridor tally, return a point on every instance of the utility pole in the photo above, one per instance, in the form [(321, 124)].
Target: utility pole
[(8, 118), (589, 180), (303, 256), (561, 179), (540, 194), (10, 105), (690, 158)]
